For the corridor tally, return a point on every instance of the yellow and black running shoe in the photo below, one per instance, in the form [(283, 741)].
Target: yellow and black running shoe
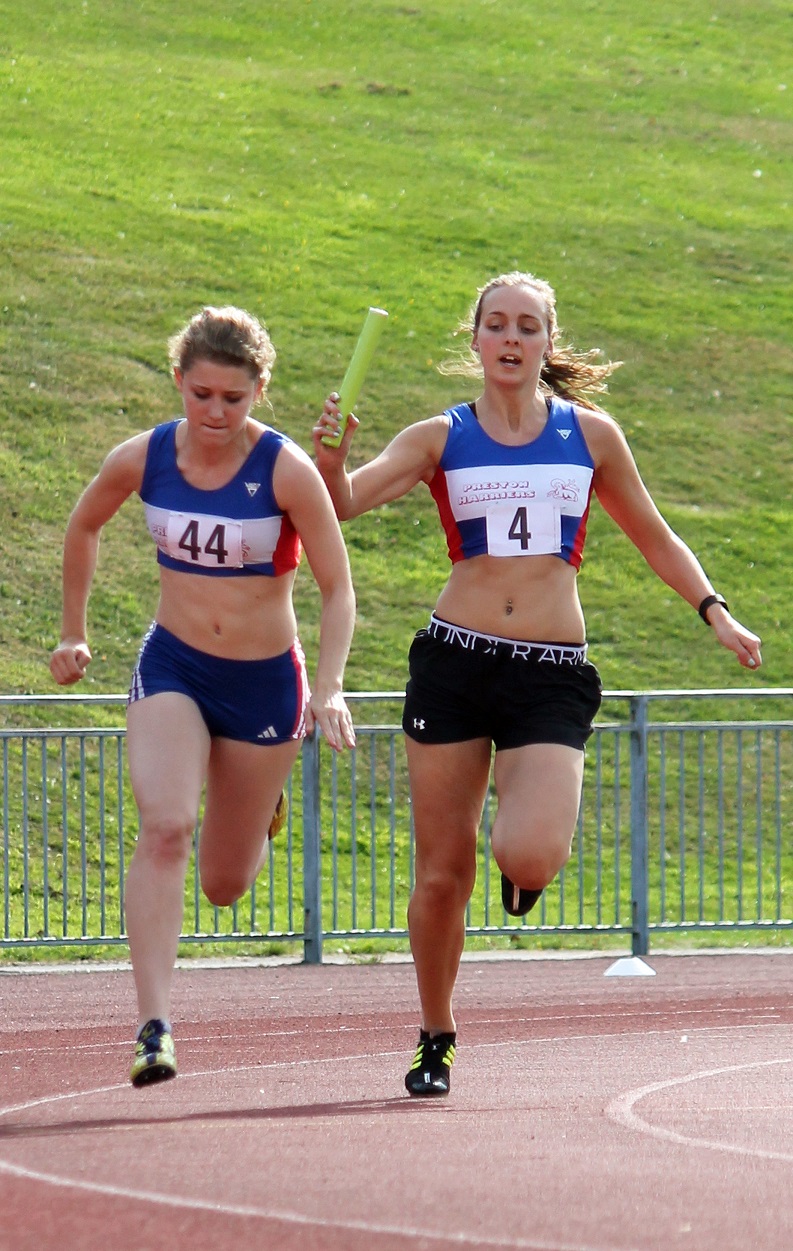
[(279, 816), (155, 1059), (429, 1074), (517, 901)]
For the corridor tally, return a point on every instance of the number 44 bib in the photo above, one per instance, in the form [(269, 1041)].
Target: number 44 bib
[(214, 542), (526, 529)]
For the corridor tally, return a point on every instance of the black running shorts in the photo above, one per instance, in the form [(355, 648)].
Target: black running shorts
[(464, 685)]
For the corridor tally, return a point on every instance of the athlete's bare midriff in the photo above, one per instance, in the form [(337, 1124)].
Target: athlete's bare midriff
[(244, 618), (520, 597)]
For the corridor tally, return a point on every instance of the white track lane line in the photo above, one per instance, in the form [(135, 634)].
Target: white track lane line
[(622, 1111), (619, 1110), (283, 1215)]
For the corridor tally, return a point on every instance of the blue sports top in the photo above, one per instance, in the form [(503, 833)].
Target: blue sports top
[(530, 500), (233, 531)]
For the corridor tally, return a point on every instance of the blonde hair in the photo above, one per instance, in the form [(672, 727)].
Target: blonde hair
[(572, 375), (227, 336)]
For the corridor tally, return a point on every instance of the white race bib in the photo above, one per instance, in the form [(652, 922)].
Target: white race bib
[(523, 529), (214, 542)]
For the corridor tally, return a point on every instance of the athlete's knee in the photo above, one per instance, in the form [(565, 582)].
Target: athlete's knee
[(445, 888), (223, 884), (534, 863), (223, 892), (165, 839)]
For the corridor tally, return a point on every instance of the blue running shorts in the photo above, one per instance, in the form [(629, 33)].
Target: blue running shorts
[(252, 701)]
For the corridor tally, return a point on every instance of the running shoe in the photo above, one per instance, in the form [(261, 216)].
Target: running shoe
[(279, 816), (517, 901), (429, 1074), (155, 1060)]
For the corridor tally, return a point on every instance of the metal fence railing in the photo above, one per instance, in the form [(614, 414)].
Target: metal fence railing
[(682, 827)]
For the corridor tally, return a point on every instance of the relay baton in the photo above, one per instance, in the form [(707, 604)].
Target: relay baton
[(353, 379)]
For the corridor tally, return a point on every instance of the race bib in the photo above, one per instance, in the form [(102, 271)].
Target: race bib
[(525, 529), (214, 542)]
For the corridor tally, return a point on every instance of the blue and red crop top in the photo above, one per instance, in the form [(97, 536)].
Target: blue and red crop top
[(233, 531), (530, 500)]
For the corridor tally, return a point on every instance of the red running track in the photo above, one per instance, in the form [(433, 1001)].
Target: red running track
[(587, 1113)]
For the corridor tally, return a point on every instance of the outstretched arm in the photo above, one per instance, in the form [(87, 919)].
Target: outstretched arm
[(120, 475), (410, 458), (301, 492), (626, 499)]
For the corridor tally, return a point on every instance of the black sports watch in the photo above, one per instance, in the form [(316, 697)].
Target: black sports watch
[(708, 602)]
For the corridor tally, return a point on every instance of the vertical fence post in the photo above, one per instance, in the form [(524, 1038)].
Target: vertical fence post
[(640, 938), (312, 875)]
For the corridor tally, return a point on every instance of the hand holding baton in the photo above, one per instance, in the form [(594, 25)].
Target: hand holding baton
[(353, 379)]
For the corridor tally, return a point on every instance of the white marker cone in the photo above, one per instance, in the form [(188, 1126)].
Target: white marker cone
[(629, 966)]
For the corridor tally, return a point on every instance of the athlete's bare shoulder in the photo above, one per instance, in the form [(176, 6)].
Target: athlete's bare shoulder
[(430, 434), (603, 434), (124, 465)]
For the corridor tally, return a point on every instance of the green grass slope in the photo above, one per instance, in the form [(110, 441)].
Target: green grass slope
[(306, 159)]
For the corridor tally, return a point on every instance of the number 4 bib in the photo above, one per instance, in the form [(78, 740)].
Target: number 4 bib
[(530, 529), (215, 542)]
